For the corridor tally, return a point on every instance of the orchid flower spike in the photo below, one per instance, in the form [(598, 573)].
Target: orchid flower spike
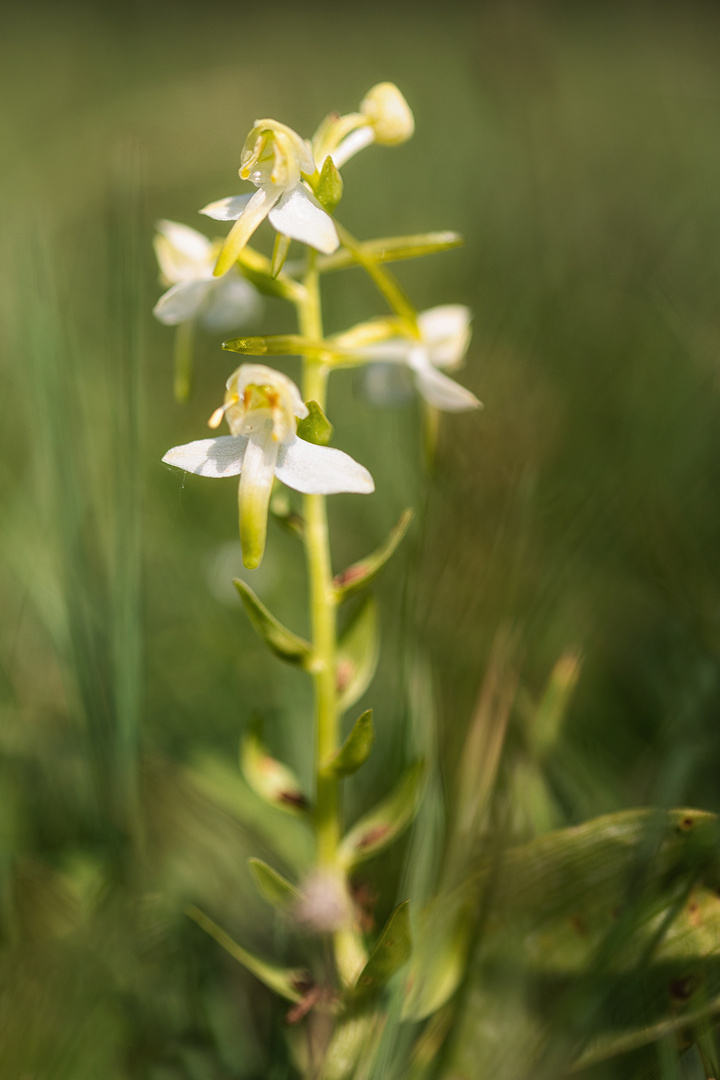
[(275, 159), (443, 343), (186, 259), (261, 409), (384, 117)]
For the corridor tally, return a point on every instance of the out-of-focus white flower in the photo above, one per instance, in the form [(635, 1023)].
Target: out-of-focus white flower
[(275, 159), (187, 259), (443, 343), (261, 408), (384, 117)]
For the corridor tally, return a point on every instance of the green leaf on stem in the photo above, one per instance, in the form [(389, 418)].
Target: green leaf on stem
[(329, 187), (281, 641), (357, 654), (269, 778), (382, 826), (355, 751), (361, 573), (315, 428), (288, 983), (271, 885), (277, 345), (392, 950), (393, 248)]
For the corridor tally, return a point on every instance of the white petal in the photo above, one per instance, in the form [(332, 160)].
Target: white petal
[(443, 392), (228, 209), (387, 384), (182, 302), (232, 303), (222, 456), (446, 330), (301, 217), (187, 242), (321, 470)]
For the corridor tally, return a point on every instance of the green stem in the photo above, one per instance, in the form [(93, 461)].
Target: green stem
[(322, 600), (383, 279)]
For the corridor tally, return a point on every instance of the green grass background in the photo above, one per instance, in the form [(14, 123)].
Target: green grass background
[(577, 148)]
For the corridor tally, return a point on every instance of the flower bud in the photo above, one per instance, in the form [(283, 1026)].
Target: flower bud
[(389, 114)]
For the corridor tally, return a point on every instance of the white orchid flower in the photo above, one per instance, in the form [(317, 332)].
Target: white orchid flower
[(261, 407), (187, 259), (443, 343), (384, 117), (275, 159)]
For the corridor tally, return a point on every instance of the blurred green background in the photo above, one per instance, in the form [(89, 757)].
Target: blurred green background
[(577, 148)]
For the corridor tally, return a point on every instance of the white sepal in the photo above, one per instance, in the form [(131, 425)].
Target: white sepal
[(182, 253), (446, 332), (232, 303), (228, 209), (182, 302), (321, 470), (443, 392), (221, 456), (301, 217)]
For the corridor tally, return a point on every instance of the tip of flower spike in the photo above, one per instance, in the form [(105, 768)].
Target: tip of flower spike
[(389, 114)]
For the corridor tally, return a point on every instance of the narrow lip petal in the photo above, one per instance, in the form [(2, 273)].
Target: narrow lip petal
[(182, 302), (256, 481), (321, 470), (442, 392), (228, 209), (301, 217), (257, 209), (218, 457)]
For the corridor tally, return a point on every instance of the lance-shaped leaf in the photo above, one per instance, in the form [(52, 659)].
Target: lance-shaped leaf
[(271, 885), (383, 825), (355, 751), (361, 573), (269, 778), (393, 248), (357, 654), (315, 427), (288, 983), (277, 345), (286, 645), (392, 950)]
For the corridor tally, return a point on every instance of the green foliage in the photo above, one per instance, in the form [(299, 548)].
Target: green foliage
[(281, 641), (392, 951), (269, 778), (355, 751), (382, 826), (357, 654), (361, 573), (315, 427), (271, 885), (286, 982)]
